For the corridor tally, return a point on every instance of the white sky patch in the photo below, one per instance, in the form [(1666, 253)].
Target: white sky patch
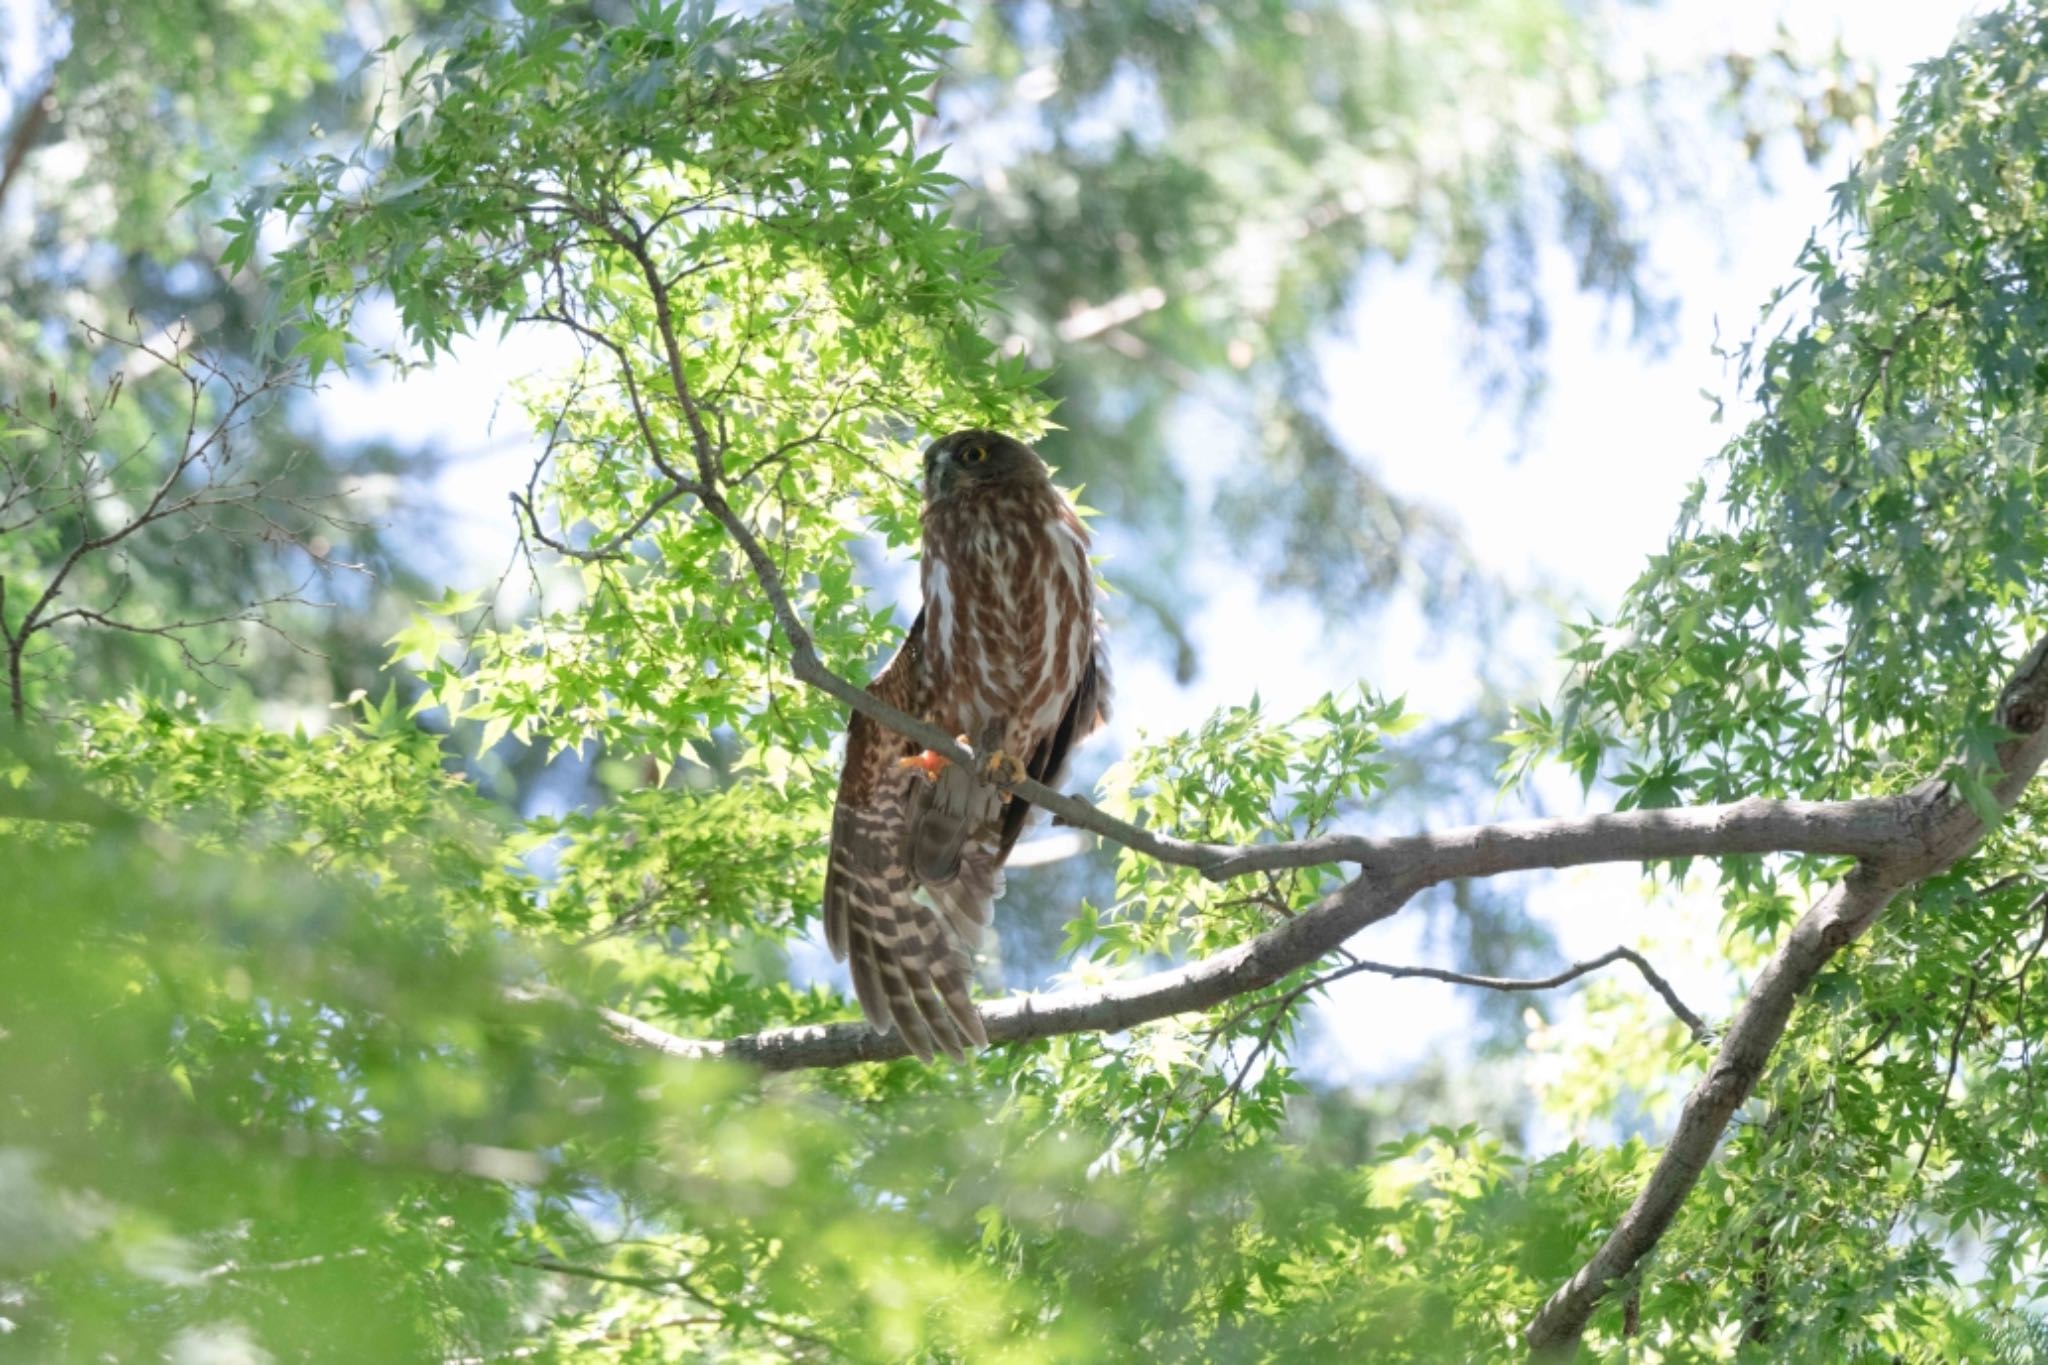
[(464, 405)]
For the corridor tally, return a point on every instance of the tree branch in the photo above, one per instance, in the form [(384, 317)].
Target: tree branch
[(1281, 1004), (679, 1282), (1396, 869), (1653, 978)]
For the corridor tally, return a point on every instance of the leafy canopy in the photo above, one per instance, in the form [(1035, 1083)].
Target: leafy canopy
[(305, 1053)]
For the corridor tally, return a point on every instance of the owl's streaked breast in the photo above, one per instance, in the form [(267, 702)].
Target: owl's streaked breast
[(1008, 615)]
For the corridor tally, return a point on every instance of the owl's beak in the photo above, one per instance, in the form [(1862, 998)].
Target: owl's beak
[(944, 471)]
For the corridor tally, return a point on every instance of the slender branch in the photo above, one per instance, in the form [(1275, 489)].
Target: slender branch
[(16, 697), (1948, 1085), (614, 545), (635, 245), (236, 1269), (609, 1335), (1837, 919), (1281, 1004), (554, 1266), (1651, 977), (561, 318)]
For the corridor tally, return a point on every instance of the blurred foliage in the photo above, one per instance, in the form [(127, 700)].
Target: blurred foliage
[(126, 131), (304, 1050), (1191, 195)]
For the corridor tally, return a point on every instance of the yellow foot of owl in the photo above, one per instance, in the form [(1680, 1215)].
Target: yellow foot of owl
[(1002, 770)]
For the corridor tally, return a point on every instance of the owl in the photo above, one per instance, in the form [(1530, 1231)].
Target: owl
[(1007, 653)]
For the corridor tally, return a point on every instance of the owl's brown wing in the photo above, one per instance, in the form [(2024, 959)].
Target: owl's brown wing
[(909, 972), (1087, 711)]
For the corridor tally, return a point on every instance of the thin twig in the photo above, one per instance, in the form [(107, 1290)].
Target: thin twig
[(1281, 1004), (680, 1281), (1948, 1083), (1655, 980)]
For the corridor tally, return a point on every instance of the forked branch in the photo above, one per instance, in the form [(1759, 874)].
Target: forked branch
[(1836, 920)]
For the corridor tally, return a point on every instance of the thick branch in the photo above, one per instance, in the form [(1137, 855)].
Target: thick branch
[(1844, 913), (1395, 870)]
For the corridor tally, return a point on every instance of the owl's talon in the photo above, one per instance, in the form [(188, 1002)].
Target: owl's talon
[(927, 765), (1002, 770)]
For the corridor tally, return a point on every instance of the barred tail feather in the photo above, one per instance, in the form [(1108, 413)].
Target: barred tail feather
[(944, 816), (967, 904), (968, 901), (909, 960)]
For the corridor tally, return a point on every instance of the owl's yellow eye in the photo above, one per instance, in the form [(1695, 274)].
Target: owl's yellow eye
[(974, 455)]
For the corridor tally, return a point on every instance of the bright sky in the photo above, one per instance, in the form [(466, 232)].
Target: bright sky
[(1594, 490)]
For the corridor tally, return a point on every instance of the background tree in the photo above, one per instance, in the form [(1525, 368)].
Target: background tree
[(127, 132)]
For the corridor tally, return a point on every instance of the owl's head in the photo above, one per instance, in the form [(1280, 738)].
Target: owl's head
[(972, 458)]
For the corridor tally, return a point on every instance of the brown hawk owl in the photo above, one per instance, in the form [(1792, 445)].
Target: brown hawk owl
[(1007, 654)]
